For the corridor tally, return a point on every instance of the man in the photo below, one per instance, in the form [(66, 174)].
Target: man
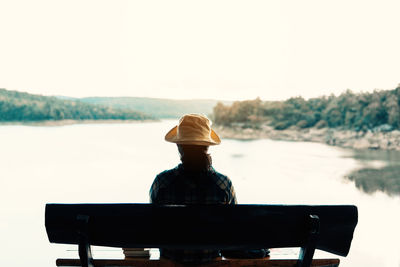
[(194, 181)]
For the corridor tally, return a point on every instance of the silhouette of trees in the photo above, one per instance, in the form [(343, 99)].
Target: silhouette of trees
[(239, 111), (360, 111), (17, 106)]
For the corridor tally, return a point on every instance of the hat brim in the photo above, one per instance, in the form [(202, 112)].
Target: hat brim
[(172, 136)]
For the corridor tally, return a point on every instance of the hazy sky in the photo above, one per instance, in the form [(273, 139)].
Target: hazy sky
[(199, 49)]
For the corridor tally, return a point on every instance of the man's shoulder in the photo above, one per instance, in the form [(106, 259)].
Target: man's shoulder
[(222, 180), (225, 184), (165, 177), (168, 173), (218, 174)]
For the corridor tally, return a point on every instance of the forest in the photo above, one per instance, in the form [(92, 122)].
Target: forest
[(349, 110), (18, 106)]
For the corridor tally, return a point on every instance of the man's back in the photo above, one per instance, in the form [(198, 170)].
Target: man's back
[(179, 186)]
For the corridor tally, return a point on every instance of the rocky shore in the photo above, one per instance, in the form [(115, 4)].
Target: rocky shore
[(389, 140)]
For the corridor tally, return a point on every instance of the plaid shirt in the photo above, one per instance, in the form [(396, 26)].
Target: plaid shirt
[(177, 186)]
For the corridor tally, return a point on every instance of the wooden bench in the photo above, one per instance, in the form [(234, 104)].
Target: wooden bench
[(328, 228)]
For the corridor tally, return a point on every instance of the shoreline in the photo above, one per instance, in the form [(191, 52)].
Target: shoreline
[(334, 137), (50, 123), (378, 140)]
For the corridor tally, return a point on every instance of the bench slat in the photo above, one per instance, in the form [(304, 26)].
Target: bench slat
[(215, 227), (203, 226)]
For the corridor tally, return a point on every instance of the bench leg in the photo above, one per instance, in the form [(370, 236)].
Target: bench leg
[(85, 253), (307, 251)]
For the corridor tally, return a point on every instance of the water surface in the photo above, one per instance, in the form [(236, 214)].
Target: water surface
[(118, 162)]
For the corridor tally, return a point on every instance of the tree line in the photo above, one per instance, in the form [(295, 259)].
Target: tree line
[(18, 106), (349, 110)]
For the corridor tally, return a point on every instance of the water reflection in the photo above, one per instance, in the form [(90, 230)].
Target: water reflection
[(389, 156), (380, 171)]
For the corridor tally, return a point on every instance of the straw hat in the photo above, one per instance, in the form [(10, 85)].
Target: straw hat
[(193, 129)]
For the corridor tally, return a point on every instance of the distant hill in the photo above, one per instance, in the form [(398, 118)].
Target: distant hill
[(18, 106), (157, 107)]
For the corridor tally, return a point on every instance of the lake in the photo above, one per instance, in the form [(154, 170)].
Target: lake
[(114, 163)]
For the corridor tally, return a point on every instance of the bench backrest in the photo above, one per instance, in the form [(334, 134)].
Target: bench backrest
[(202, 226)]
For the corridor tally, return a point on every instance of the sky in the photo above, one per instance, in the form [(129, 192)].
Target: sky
[(229, 50)]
